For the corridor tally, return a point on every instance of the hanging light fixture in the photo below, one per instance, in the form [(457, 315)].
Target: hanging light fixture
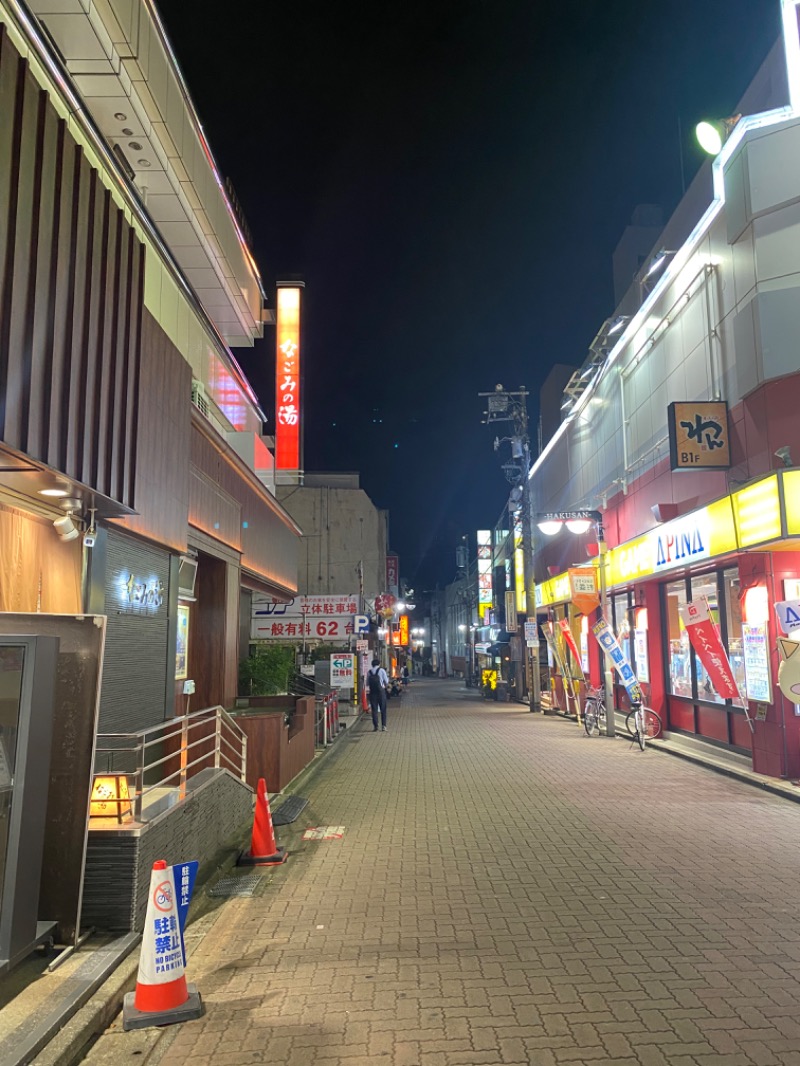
[(578, 525)]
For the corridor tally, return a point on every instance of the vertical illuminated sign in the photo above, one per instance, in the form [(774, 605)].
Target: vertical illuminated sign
[(484, 571), (519, 567), (287, 380)]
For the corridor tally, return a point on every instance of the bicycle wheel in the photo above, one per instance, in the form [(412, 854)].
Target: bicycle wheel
[(590, 718), (652, 723), (635, 725), (641, 734)]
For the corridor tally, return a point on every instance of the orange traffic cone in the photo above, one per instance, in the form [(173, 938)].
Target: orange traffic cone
[(162, 995), (264, 850)]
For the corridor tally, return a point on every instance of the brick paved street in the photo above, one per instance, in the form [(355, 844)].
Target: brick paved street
[(510, 891)]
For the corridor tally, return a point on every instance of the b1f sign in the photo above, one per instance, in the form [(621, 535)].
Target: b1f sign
[(698, 435)]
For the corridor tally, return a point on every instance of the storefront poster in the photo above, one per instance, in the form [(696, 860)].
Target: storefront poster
[(182, 644), (570, 642), (708, 647), (756, 663), (640, 655), (585, 651), (608, 642)]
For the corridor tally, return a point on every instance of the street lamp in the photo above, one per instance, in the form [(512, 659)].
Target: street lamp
[(417, 640), (579, 522), (462, 629)]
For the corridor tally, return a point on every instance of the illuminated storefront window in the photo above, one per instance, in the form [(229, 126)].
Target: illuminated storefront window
[(687, 677)]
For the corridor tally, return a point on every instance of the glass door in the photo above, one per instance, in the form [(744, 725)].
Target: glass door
[(694, 704)]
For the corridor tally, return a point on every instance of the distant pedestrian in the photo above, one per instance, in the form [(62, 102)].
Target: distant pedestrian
[(377, 683), (405, 674)]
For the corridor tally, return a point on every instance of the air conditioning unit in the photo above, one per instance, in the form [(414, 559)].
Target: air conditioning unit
[(187, 574), (200, 399)]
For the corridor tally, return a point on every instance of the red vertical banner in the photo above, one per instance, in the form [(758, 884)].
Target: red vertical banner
[(287, 380), (709, 649), (570, 642)]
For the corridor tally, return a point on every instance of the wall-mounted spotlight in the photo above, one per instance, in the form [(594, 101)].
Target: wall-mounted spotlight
[(658, 261), (712, 134), (66, 528), (617, 325), (785, 455)]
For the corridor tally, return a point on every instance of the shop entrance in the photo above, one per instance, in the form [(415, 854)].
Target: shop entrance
[(208, 632), (693, 705)]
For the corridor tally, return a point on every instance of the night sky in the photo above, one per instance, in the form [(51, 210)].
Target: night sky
[(451, 180)]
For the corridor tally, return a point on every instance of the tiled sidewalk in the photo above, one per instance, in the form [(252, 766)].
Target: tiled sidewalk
[(508, 891)]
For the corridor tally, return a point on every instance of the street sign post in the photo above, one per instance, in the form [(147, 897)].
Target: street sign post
[(342, 671)]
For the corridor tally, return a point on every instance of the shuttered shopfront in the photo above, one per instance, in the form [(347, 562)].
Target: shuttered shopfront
[(134, 693)]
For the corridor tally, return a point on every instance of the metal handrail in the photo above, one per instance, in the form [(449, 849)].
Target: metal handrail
[(227, 749)]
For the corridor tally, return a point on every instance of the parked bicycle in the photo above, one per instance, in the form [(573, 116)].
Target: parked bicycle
[(642, 723), (594, 711)]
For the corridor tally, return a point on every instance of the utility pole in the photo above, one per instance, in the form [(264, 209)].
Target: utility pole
[(511, 406)]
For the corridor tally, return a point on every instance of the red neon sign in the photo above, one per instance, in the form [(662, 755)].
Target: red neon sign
[(287, 381)]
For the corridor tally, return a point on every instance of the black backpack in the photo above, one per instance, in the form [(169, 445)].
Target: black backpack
[(374, 682)]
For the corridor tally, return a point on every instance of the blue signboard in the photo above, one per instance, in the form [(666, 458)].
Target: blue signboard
[(184, 874), (608, 642)]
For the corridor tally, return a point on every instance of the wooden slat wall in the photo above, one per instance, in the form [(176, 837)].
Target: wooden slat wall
[(161, 495), (71, 289), (268, 544)]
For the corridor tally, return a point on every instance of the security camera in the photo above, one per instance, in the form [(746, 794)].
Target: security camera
[(66, 528), (785, 455)]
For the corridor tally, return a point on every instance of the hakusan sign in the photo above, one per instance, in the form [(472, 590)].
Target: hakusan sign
[(287, 380)]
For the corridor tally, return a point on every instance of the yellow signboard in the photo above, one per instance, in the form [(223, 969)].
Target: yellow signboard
[(556, 590), (702, 534), (746, 519), (791, 497), (757, 509), (698, 435)]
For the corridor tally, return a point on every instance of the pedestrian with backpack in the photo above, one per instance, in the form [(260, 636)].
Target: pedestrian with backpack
[(377, 684)]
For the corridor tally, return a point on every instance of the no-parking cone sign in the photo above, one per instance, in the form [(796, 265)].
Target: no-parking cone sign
[(264, 850), (162, 995)]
